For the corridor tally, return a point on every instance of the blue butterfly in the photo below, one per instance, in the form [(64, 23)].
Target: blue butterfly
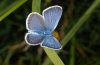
[(40, 28)]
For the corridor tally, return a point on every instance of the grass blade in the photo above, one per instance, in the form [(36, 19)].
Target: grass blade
[(53, 57), (11, 8), (72, 52), (36, 5)]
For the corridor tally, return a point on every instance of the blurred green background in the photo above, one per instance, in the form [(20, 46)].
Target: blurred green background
[(82, 49)]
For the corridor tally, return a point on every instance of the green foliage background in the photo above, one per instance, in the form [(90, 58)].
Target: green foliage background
[(82, 49)]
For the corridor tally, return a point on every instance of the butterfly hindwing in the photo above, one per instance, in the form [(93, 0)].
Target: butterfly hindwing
[(51, 42), (52, 16), (33, 38)]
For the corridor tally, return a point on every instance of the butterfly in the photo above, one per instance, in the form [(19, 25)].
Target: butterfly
[(40, 28)]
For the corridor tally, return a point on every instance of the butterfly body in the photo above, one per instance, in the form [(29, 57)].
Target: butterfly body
[(40, 28)]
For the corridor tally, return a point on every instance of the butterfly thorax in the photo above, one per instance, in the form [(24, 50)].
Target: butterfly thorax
[(47, 33)]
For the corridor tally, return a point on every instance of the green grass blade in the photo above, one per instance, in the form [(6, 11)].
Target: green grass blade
[(53, 57), (11, 8), (72, 52), (51, 53), (76, 27), (36, 6)]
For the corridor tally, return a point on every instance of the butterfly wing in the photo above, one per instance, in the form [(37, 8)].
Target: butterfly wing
[(51, 42), (52, 16), (35, 22), (33, 38)]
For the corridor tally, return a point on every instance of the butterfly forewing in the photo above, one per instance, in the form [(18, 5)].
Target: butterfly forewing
[(34, 22), (52, 16)]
